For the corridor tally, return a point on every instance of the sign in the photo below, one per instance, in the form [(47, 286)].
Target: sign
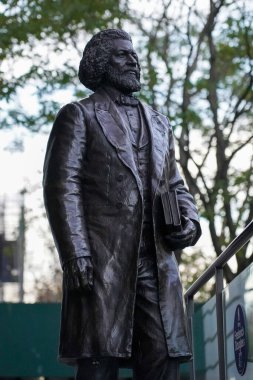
[(240, 340)]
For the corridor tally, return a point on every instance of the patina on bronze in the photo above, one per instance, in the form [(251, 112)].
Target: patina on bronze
[(104, 173)]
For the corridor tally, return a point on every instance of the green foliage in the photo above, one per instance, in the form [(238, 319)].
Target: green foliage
[(204, 77), (192, 264), (197, 68), (33, 34), (22, 20)]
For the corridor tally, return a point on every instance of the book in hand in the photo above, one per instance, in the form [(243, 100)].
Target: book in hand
[(171, 210)]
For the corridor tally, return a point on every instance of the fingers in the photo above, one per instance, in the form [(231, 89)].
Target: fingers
[(176, 244), (86, 279), (76, 282), (180, 239), (184, 238), (71, 280), (80, 282), (187, 231), (189, 228), (90, 276), (78, 276)]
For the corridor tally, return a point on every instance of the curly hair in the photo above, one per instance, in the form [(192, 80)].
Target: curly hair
[(96, 55)]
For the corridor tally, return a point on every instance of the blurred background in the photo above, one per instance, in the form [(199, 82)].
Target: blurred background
[(196, 59), (197, 68)]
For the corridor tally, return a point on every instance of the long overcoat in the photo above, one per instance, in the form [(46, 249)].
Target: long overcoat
[(94, 201)]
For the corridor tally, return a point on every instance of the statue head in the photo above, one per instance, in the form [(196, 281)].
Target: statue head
[(109, 58)]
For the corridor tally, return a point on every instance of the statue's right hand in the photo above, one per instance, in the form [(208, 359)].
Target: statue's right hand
[(78, 274)]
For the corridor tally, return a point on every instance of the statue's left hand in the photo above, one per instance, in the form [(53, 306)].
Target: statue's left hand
[(78, 274), (184, 238)]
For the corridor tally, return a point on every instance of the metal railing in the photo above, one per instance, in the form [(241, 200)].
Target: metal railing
[(215, 269)]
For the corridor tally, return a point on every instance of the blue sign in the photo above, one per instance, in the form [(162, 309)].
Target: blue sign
[(240, 340)]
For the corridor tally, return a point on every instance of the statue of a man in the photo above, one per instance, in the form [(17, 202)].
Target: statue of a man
[(108, 159)]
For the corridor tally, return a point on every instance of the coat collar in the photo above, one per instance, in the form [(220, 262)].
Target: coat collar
[(114, 130)]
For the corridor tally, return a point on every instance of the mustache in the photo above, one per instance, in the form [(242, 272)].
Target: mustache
[(136, 71), (131, 71)]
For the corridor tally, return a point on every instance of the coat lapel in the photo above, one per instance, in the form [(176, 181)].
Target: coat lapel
[(158, 128), (116, 133), (114, 130)]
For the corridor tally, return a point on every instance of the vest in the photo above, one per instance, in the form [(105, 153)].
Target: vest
[(139, 137)]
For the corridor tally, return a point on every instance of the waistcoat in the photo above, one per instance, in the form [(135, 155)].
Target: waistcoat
[(139, 137)]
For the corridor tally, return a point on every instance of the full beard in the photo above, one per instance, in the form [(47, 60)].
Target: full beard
[(124, 81)]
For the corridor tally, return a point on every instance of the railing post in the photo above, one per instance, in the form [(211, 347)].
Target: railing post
[(216, 268), (220, 322), (190, 313)]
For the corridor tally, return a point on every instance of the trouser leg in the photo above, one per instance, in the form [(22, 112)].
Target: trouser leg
[(151, 359), (98, 369)]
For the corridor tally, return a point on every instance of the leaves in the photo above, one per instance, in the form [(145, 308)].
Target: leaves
[(197, 68), (37, 39), (203, 81), (58, 19)]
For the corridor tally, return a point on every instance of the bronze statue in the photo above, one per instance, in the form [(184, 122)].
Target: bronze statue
[(108, 160)]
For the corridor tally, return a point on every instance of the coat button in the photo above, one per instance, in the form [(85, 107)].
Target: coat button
[(119, 205), (120, 177)]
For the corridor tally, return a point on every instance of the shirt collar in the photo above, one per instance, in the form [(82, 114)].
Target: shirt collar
[(119, 98)]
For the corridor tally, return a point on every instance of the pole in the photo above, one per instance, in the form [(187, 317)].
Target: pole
[(2, 238), (21, 246)]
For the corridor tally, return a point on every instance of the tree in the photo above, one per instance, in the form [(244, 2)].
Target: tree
[(33, 35), (197, 68), (198, 71)]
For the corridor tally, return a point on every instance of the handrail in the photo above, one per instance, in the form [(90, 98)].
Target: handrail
[(216, 269), (222, 259)]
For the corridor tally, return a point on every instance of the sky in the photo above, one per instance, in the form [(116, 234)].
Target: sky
[(23, 169), (20, 170)]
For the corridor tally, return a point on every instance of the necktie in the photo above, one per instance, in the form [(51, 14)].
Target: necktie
[(127, 100)]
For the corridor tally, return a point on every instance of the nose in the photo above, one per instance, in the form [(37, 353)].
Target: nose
[(131, 60)]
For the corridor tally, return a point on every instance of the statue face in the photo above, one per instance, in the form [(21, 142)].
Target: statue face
[(123, 56), (123, 70)]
